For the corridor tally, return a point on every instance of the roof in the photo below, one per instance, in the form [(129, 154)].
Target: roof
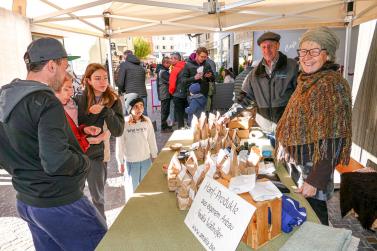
[(159, 17)]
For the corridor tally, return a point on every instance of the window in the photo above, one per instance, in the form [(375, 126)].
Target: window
[(163, 38), (157, 47), (163, 47), (172, 47)]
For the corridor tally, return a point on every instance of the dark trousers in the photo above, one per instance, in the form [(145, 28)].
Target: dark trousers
[(97, 176), (76, 226), (320, 208), (165, 110), (179, 110)]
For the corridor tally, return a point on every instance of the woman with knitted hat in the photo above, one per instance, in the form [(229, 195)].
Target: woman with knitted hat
[(314, 133)]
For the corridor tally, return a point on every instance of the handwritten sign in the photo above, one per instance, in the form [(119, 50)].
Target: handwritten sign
[(218, 217)]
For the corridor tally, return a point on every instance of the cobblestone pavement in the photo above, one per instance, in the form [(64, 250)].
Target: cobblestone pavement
[(16, 236)]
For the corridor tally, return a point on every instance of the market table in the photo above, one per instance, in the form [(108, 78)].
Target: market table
[(151, 219)]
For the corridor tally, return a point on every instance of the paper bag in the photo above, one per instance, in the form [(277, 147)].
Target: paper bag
[(192, 163)]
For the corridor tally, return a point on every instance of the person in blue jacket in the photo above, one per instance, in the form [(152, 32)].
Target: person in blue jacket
[(197, 102)]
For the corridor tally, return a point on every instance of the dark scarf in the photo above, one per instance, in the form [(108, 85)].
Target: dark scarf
[(319, 110)]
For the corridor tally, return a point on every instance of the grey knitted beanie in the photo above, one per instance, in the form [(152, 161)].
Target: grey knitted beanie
[(325, 37)]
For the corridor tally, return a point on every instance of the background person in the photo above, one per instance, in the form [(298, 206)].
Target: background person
[(314, 133), (132, 77), (164, 95), (40, 152), (197, 102), (203, 76), (99, 106), (227, 76), (177, 88)]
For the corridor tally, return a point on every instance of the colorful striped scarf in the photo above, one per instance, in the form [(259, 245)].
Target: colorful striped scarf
[(319, 110)]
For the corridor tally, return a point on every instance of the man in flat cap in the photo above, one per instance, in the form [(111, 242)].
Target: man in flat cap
[(268, 86), (39, 150)]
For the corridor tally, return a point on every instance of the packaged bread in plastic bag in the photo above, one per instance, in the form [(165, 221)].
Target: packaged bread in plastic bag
[(203, 125), (234, 170), (173, 170), (183, 203), (191, 163), (212, 125)]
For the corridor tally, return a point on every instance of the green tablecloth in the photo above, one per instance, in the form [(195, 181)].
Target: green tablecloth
[(151, 219)]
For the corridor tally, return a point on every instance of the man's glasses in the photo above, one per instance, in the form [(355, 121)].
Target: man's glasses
[(312, 52)]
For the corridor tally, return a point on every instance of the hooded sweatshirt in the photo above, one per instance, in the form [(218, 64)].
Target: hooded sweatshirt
[(197, 105), (37, 146), (131, 77)]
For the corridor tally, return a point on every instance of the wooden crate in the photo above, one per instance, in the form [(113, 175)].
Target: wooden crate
[(259, 231)]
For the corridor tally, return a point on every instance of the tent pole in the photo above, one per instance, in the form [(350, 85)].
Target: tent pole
[(347, 50), (108, 32), (110, 63), (348, 21)]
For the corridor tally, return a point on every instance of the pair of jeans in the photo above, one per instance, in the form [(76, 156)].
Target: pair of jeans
[(136, 171), (76, 226)]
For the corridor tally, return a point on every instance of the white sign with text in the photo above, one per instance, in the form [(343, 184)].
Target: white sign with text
[(218, 217)]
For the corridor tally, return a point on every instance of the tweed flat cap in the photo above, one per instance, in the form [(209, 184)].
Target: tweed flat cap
[(268, 36)]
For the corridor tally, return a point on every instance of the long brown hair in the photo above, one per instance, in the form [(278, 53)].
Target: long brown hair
[(108, 97)]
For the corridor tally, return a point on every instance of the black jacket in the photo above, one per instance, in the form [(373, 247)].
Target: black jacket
[(189, 73), (37, 146), (114, 120), (131, 77), (163, 84)]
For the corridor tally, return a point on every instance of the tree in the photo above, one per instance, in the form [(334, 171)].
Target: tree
[(142, 47)]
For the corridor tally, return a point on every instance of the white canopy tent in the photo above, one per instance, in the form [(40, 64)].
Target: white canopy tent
[(158, 17), (120, 18)]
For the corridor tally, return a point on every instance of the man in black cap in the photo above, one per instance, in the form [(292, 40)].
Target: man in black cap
[(39, 150), (268, 86)]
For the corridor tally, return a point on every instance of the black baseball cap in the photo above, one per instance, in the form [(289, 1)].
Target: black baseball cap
[(44, 49)]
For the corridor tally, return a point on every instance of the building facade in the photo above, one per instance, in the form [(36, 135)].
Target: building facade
[(165, 45)]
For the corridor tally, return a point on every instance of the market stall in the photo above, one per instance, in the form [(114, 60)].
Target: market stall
[(151, 219)]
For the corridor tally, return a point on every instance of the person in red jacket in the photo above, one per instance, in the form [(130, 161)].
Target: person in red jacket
[(177, 88), (81, 132)]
